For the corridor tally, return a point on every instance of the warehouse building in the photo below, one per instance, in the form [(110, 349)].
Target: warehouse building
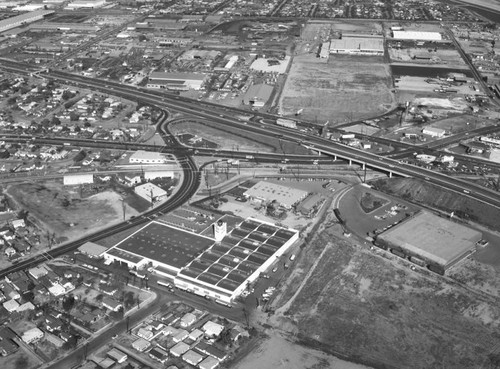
[(86, 4), (147, 157), (429, 240), (416, 35), (266, 191), (77, 179), (150, 192), (176, 81), (357, 45), (258, 95), (23, 19), (434, 132), (199, 264)]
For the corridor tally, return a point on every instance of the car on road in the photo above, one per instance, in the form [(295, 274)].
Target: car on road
[(466, 191), (114, 337)]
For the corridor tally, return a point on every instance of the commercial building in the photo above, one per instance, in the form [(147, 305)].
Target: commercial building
[(176, 81), (199, 264), (435, 242), (357, 45), (77, 179), (147, 157), (267, 191), (416, 35), (150, 192), (23, 19)]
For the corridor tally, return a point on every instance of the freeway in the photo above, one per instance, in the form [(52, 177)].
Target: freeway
[(206, 110)]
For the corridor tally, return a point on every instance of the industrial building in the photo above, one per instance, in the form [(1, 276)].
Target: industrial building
[(258, 95), (150, 192), (86, 4), (266, 191), (357, 45), (431, 241), (176, 81), (434, 132), (199, 264), (147, 157), (20, 20), (56, 26), (77, 179), (416, 35)]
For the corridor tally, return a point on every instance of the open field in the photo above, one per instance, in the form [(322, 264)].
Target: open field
[(426, 194), (60, 210), (277, 352), (343, 89), (369, 307)]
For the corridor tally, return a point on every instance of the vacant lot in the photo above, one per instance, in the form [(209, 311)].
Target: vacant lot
[(60, 210), (369, 307), (343, 89)]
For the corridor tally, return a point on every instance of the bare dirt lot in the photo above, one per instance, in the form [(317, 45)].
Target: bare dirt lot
[(61, 210), (369, 307), (343, 89), (277, 352)]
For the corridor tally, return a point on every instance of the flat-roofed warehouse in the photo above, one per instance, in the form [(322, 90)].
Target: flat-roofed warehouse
[(357, 45), (268, 191), (416, 35), (176, 81), (438, 242), (198, 264)]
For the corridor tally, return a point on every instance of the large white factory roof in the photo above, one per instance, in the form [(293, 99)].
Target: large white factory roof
[(357, 43), (417, 35)]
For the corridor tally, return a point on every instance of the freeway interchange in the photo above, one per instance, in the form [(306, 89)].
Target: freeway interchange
[(230, 117)]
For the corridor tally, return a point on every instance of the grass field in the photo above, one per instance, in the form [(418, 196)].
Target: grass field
[(343, 89), (369, 307)]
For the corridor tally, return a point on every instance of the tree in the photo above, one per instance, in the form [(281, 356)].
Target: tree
[(21, 362), (68, 302), (55, 121), (74, 116)]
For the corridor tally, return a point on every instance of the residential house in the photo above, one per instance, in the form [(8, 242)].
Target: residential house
[(111, 304), (158, 354), (117, 356), (11, 305), (56, 341), (211, 350), (145, 333), (141, 345), (32, 335), (187, 320)]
